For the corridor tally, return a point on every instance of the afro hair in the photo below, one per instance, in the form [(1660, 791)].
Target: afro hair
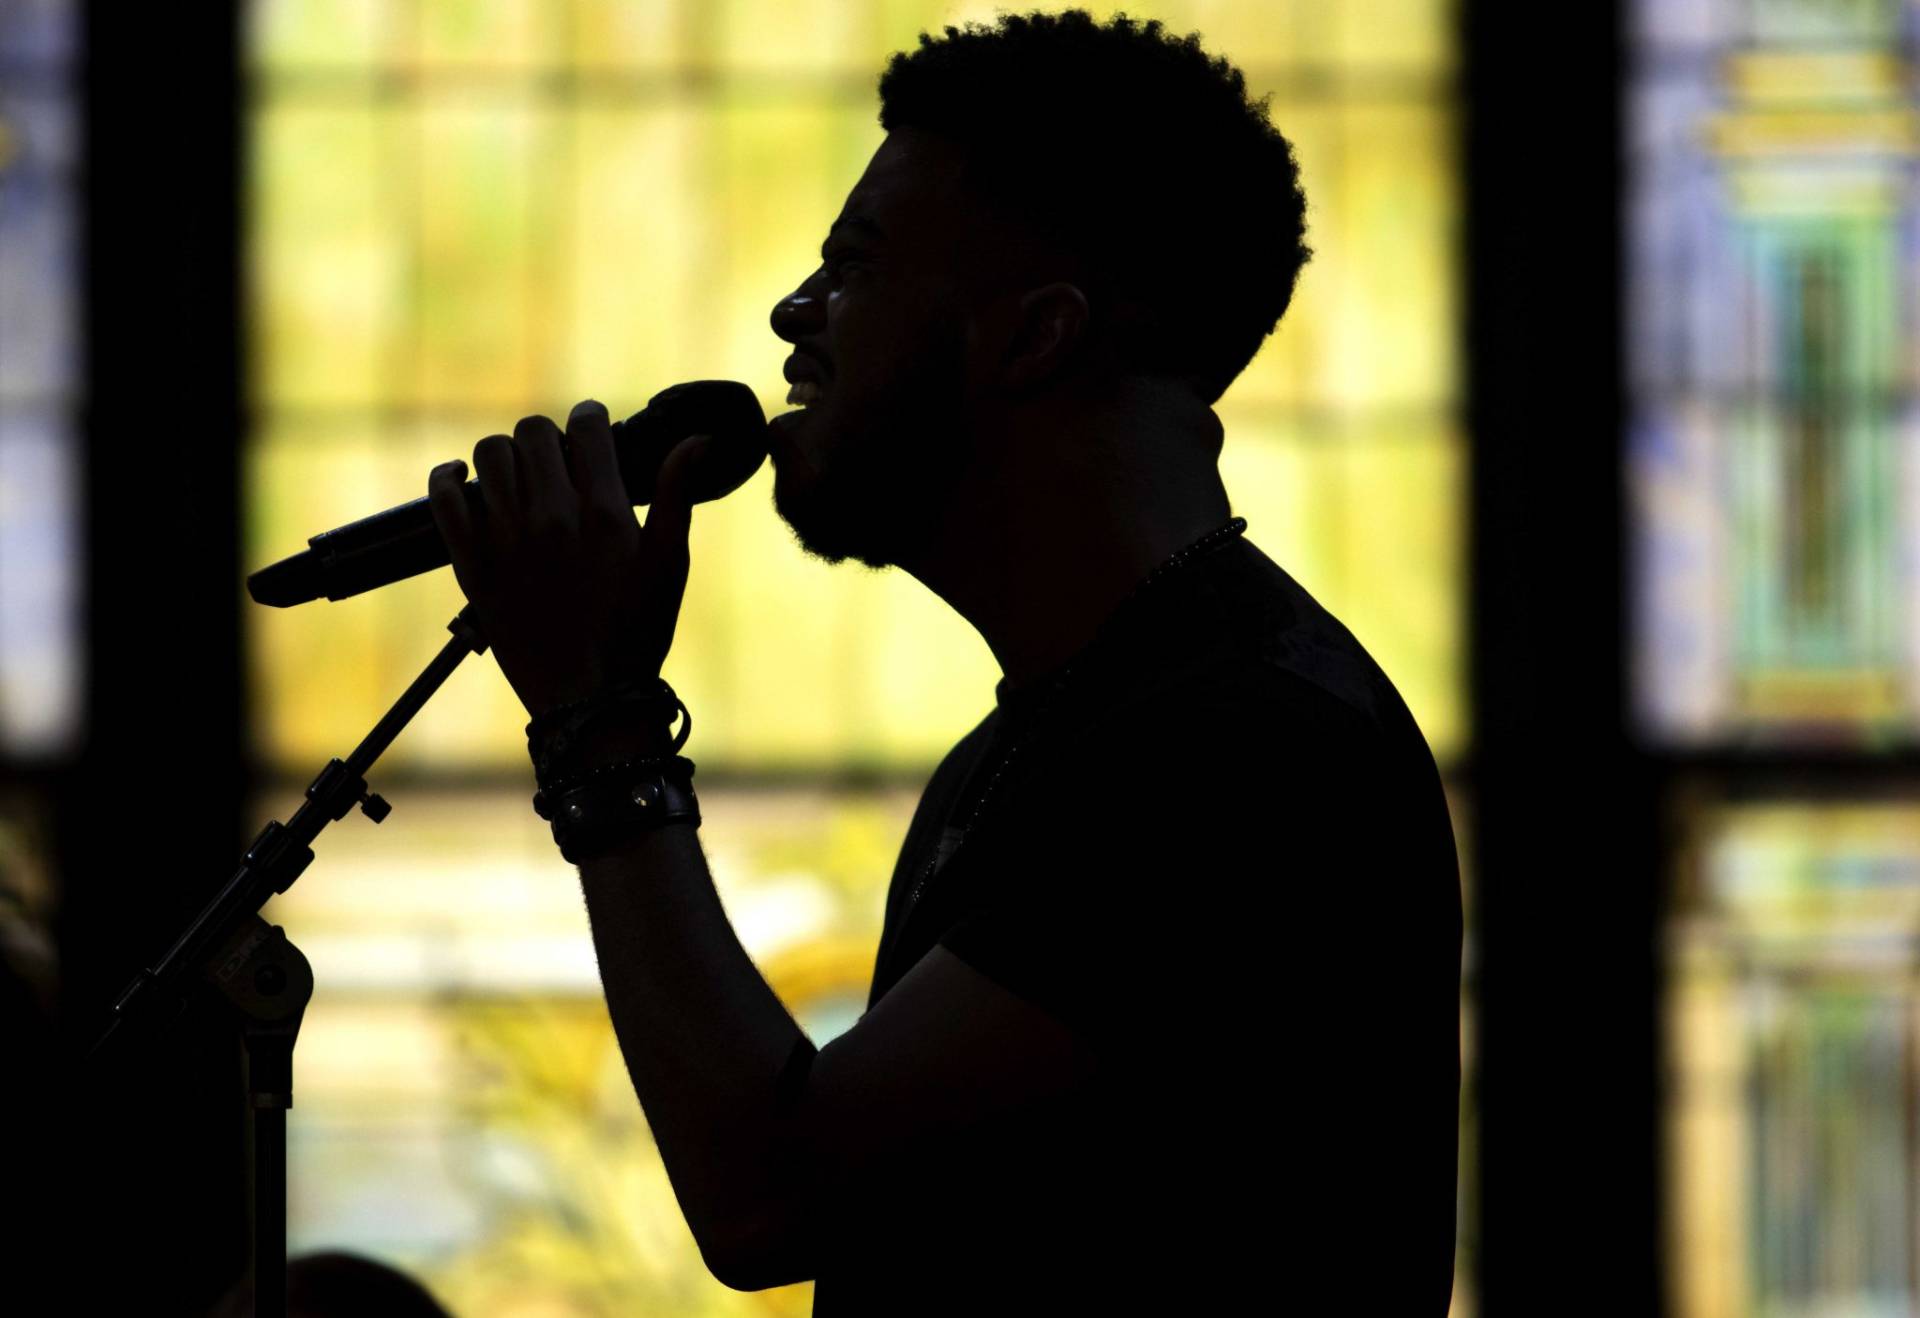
[(1139, 154)]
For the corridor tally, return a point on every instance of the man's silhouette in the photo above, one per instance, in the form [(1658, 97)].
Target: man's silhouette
[(1165, 1010), (1206, 951)]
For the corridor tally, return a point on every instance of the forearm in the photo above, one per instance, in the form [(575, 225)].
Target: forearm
[(703, 1035)]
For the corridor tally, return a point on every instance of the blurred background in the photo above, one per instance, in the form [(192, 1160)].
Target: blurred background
[(1592, 418)]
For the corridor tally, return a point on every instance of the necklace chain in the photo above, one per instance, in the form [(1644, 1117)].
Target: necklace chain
[(1232, 528)]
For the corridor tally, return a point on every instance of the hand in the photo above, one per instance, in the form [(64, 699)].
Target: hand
[(569, 589)]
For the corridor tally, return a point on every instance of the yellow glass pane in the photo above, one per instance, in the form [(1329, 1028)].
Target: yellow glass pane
[(637, 253), (1367, 518), (494, 36), (897, 24), (489, 244), (326, 671), (872, 667), (474, 897), (1393, 238), (1373, 317), (674, 228), (1402, 495), (1258, 36), (776, 176), (313, 677), (464, 1109), (1371, 37), (344, 36), (328, 253), (752, 36), (1413, 36), (610, 36), (490, 215), (1290, 367)]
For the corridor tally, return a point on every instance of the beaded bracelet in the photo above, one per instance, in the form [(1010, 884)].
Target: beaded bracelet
[(555, 737)]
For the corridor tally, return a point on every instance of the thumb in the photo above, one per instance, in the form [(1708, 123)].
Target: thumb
[(671, 513)]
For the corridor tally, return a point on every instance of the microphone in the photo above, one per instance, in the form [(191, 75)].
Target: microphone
[(404, 542)]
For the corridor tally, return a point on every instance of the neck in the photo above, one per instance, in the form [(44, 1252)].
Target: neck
[(1038, 559)]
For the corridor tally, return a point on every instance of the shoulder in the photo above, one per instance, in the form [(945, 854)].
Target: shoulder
[(1234, 706)]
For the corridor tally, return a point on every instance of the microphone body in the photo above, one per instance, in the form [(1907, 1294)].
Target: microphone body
[(404, 542)]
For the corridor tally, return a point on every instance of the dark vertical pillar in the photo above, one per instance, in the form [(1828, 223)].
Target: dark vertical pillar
[(157, 1219), (1570, 870)]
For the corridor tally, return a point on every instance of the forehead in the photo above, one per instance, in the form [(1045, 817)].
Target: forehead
[(911, 189)]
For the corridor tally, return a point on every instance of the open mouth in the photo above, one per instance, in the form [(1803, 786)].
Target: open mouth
[(805, 392)]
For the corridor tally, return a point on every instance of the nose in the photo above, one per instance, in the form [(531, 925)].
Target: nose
[(797, 314)]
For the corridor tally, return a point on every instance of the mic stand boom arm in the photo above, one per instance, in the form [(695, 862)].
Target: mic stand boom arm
[(264, 977)]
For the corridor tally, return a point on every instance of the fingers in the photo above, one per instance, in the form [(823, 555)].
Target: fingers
[(497, 470), (532, 501), (595, 468), (447, 498), (670, 515), (545, 486)]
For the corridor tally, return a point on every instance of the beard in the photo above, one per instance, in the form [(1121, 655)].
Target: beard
[(882, 474)]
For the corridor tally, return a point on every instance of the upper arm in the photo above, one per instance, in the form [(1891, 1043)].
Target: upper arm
[(1108, 870), (944, 1049)]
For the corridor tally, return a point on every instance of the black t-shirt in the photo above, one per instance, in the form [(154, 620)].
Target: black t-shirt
[(1225, 860)]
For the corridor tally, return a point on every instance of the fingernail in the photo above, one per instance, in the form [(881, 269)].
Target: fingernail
[(587, 405)]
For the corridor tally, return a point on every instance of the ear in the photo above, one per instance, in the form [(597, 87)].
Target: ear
[(1054, 320)]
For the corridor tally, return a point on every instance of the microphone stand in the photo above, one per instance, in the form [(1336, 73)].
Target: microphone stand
[(264, 978)]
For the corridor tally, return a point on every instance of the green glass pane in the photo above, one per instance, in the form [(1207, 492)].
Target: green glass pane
[(328, 253)]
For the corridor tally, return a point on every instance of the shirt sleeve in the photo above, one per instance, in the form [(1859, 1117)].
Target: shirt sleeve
[(1152, 872)]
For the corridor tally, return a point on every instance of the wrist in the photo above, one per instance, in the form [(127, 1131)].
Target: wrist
[(624, 721), (608, 810), (618, 739)]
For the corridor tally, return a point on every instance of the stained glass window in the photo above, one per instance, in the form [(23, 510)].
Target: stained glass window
[(1772, 223), (40, 645), (463, 214), (1773, 281), (1793, 1031)]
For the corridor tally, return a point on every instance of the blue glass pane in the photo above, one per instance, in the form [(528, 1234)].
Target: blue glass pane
[(39, 352), (40, 651), (38, 34), (39, 571)]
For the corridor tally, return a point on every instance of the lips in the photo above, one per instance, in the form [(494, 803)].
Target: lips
[(798, 368)]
